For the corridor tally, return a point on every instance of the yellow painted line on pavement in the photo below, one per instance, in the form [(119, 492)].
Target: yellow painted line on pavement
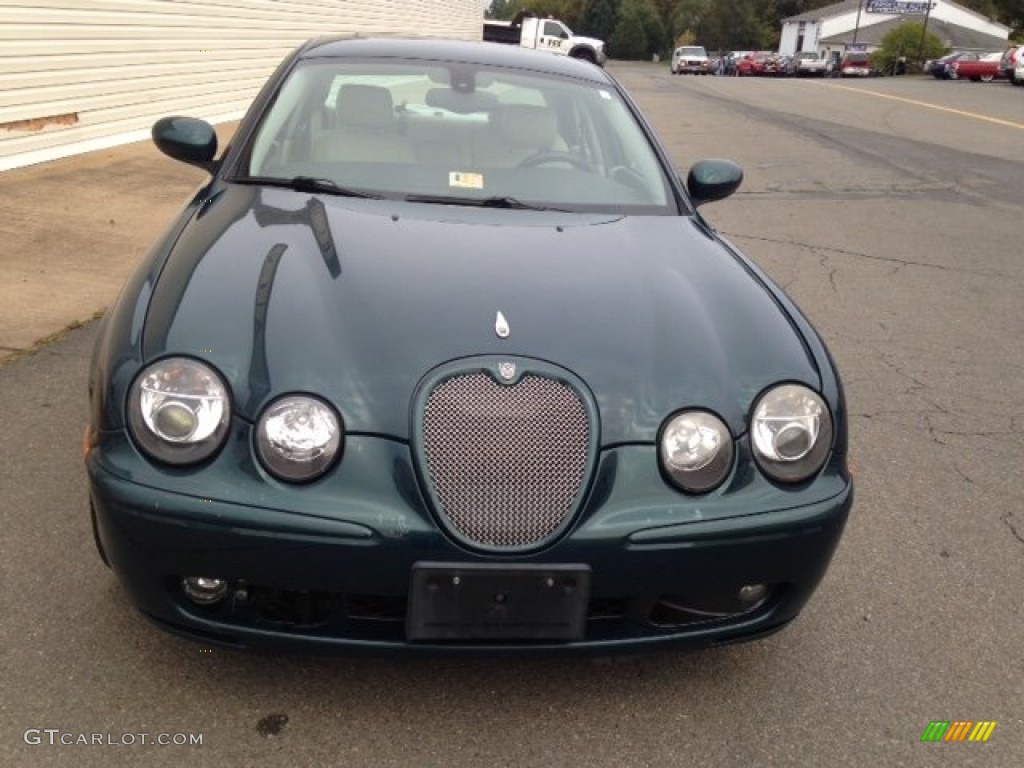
[(928, 105)]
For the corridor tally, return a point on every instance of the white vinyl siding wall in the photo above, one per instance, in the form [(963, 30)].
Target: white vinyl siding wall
[(78, 75)]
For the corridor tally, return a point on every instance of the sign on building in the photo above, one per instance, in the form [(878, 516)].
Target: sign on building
[(903, 7)]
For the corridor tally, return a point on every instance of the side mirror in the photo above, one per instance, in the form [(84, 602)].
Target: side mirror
[(711, 180), (187, 139)]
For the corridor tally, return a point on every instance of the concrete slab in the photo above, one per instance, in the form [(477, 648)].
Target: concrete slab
[(72, 230)]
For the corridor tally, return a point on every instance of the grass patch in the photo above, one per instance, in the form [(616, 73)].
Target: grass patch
[(18, 354)]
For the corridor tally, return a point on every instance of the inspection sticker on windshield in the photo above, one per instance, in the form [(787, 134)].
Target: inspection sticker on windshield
[(465, 180)]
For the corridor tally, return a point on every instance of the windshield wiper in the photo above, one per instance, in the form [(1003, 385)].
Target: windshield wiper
[(482, 202), (305, 184)]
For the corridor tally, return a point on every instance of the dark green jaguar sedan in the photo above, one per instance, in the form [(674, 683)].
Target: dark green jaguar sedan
[(444, 358)]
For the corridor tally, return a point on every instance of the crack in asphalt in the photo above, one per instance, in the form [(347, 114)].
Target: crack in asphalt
[(820, 192), (918, 388), (824, 262), (967, 478), (918, 384), (1008, 519), (869, 257), (934, 432), (937, 192)]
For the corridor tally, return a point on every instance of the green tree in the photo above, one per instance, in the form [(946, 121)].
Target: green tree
[(686, 20), (1011, 13), (569, 11), (639, 31), (629, 40), (601, 18), (658, 40), (903, 42), (740, 25), (787, 8), (500, 9)]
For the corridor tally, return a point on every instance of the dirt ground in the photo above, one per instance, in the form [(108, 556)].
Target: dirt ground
[(72, 230)]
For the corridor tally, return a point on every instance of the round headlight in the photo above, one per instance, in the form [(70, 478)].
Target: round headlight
[(791, 432), (696, 451), (298, 438), (178, 410)]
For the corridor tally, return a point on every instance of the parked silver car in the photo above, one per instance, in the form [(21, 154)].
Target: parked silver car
[(808, 63), (1011, 66)]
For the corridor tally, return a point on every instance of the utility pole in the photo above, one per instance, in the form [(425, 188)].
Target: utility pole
[(924, 31), (856, 28)]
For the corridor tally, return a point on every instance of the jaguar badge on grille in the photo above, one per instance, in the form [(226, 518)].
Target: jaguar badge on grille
[(507, 371)]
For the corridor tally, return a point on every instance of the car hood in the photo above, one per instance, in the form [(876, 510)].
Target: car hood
[(591, 41), (356, 300)]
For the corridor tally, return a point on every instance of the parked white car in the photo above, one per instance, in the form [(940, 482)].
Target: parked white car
[(692, 59)]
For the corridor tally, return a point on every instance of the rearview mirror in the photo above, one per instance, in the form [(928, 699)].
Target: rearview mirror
[(711, 180), (187, 139)]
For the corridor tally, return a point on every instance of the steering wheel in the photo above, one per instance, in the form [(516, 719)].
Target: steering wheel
[(557, 156)]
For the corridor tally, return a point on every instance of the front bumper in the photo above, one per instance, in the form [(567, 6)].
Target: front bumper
[(328, 568)]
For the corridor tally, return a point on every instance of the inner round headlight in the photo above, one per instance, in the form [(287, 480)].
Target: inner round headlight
[(298, 438), (179, 410), (791, 432), (696, 451)]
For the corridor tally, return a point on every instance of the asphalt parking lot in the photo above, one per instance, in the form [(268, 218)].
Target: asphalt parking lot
[(890, 209)]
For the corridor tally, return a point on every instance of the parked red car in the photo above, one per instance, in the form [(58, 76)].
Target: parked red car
[(752, 64), (855, 64), (973, 66)]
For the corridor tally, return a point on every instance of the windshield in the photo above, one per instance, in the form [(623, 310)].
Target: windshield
[(415, 129), (691, 52)]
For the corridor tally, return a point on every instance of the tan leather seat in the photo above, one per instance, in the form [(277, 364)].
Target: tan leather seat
[(519, 132), (365, 129)]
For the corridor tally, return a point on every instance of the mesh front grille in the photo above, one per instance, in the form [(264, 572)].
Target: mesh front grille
[(506, 462)]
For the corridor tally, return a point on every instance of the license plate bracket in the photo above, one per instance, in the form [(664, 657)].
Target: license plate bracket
[(494, 602)]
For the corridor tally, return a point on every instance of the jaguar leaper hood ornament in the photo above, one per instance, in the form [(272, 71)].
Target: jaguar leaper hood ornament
[(501, 326)]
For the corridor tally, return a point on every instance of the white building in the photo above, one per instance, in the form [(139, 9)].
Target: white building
[(835, 28), (79, 75)]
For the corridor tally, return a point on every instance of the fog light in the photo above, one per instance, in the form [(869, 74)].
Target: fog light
[(753, 593), (204, 591)]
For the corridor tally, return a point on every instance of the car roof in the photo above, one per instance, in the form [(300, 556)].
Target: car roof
[(468, 51)]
